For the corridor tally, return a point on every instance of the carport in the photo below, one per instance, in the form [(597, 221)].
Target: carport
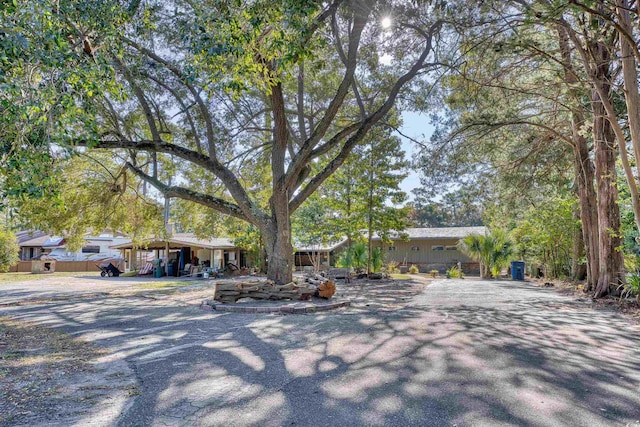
[(185, 247)]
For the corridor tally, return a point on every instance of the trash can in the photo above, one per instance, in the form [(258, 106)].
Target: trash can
[(517, 270), (157, 268), (170, 269)]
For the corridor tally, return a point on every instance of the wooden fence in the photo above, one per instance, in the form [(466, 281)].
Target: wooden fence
[(61, 266)]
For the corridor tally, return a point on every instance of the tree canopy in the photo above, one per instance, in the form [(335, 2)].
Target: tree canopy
[(243, 108)]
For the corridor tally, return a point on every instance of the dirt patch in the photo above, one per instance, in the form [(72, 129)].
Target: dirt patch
[(626, 307), (49, 377), (380, 295)]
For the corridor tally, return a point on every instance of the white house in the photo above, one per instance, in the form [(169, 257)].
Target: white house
[(36, 244)]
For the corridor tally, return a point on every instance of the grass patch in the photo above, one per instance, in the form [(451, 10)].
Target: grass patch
[(399, 276), (129, 274), (167, 284), (28, 277)]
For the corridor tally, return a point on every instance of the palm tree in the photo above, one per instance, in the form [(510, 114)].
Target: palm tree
[(502, 249), (473, 246), (377, 260), (493, 251), (359, 256)]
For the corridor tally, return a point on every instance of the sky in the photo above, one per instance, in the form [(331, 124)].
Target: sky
[(417, 126)]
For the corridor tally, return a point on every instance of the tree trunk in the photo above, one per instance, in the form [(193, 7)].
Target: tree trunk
[(279, 254), (577, 251), (370, 210), (630, 78), (583, 167), (588, 206), (610, 256)]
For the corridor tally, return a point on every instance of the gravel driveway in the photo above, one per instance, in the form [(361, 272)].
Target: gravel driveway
[(456, 352)]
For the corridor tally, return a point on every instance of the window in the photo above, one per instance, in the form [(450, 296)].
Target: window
[(392, 248), (91, 250), (451, 248), (437, 248), (415, 248)]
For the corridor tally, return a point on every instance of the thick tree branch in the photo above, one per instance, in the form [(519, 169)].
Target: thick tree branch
[(367, 124), (495, 125), (251, 212), (302, 130), (343, 58), (301, 159), (183, 106), (146, 108), (280, 137), (207, 200), (202, 106), (335, 140), (624, 33)]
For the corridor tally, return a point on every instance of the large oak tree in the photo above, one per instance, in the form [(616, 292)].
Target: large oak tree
[(216, 102)]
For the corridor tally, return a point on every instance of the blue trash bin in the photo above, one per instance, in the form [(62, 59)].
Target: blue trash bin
[(517, 270)]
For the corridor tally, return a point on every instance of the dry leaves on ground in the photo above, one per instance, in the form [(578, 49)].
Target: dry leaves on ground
[(37, 368)]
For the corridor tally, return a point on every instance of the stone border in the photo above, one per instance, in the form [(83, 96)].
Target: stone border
[(211, 305)]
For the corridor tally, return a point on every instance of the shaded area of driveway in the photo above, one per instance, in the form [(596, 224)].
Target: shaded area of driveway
[(81, 285), (464, 352)]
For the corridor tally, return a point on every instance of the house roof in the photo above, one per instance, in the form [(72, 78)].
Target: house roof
[(34, 242), (440, 232), (53, 242), (412, 233), (31, 238), (38, 239), (180, 240), (34, 238), (322, 248)]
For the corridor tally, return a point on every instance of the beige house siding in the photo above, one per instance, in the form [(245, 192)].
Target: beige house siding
[(439, 254), (423, 251)]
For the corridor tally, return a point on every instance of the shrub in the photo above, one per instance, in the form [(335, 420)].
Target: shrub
[(434, 273), (631, 288), (9, 250), (414, 269), (455, 273), (344, 260), (392, 267)]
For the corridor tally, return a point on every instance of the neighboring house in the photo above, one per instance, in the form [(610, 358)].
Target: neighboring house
[(96, 247), (428, 248), (431, 248), (182, 248), (322, 255), (30, 243)]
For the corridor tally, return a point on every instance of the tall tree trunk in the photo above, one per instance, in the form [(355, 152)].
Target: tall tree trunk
[(370, 210), (578, 250), (583, 167), (278, 229), (279, 252), (588, 204), (610, 256)]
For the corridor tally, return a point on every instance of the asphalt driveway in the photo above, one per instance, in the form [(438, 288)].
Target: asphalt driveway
[(458, 352)]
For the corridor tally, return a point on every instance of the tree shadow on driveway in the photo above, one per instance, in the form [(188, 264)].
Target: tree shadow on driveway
[(539, 361)]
